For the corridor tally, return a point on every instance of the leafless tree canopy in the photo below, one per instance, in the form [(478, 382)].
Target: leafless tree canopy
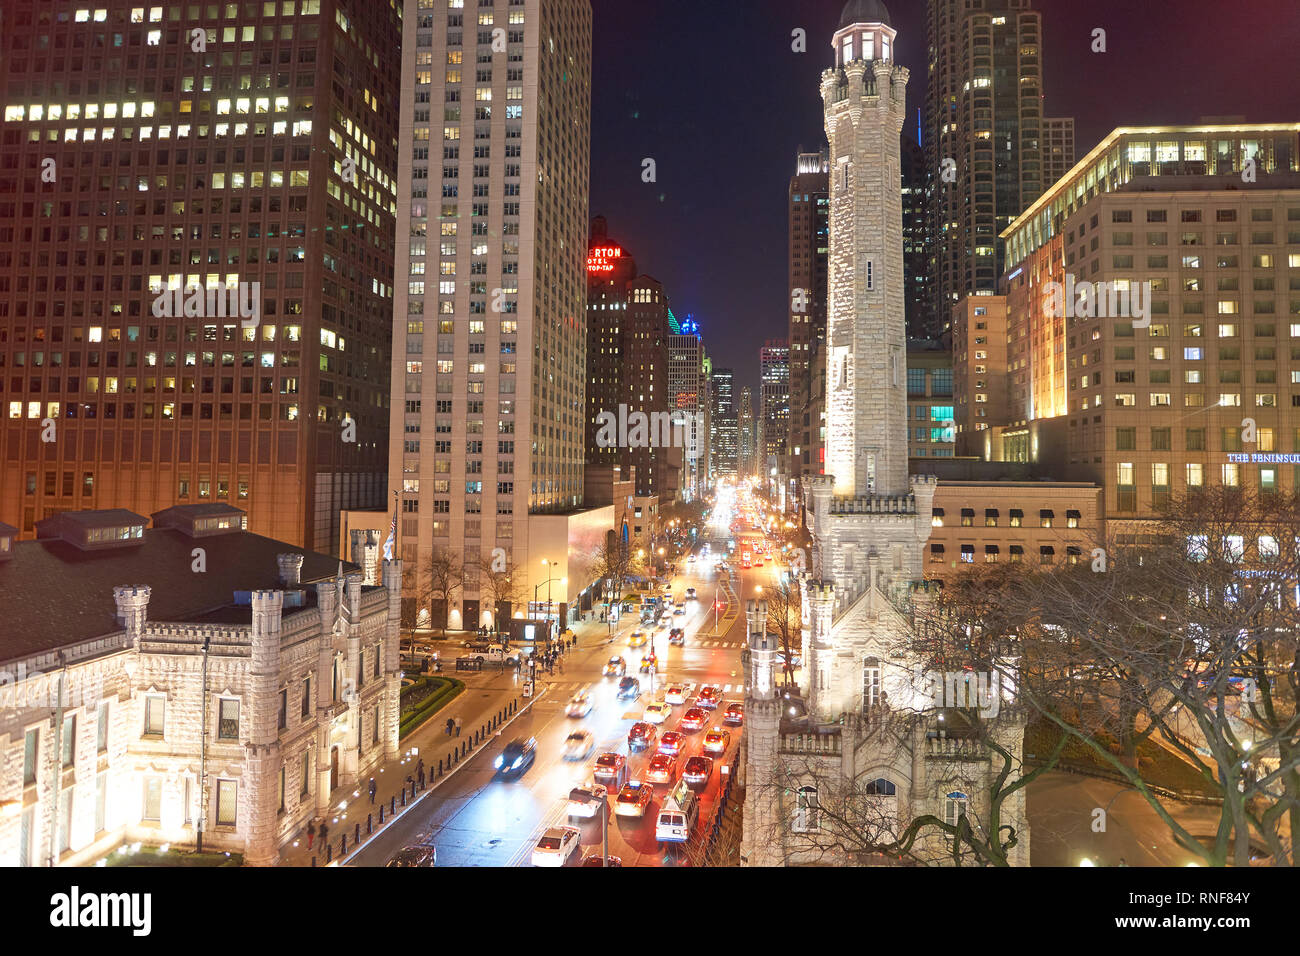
[(441, 578)]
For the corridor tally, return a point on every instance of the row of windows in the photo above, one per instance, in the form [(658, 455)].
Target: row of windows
[(1016, 516), (1015, 554)]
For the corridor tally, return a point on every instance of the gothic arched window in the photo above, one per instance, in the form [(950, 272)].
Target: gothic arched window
[(880, 787), (958, 804), (870, 683), (805, 811)]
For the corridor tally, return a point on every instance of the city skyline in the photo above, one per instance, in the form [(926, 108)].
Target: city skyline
[(1154, 77)]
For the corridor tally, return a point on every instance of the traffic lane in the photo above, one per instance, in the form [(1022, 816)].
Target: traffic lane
[(467, 817)]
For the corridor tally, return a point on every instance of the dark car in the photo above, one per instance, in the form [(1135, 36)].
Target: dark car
[(677, 637), (629, 687), (735, 713), (698, 770), (642, 736), (593, 859), (708, 697), (421, 854), (517, 757)]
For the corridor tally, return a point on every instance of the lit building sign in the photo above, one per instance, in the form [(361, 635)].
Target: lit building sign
[(601, 258), (1257, 458)]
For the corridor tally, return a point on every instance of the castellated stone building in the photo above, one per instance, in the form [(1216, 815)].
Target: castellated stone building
[(871, 739), (186, 682)]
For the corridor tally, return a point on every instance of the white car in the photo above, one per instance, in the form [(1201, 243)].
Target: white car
[(579, 745), (657, 712), (580, 705), (676, 694), (557, 846), (680, 608)]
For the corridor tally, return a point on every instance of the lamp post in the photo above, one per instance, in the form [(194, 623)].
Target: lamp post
[(547, 582)]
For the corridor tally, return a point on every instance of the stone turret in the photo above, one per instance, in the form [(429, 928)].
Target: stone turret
[(132, 610), (819, 649), (392, 655), (290, 568), (262, 758), (762, 736)]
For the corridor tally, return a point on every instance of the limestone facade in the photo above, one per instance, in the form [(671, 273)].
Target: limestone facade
[(235, 727)]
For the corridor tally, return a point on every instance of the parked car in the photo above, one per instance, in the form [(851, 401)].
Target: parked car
[(690, 594), (557, 846)]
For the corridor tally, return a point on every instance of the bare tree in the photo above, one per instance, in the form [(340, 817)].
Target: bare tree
[(785, 619), (440, 579), (503, 584), (616, 563), (1186, 639)]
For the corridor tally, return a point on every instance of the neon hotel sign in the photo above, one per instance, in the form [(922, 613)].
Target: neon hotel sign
[(600, 258)]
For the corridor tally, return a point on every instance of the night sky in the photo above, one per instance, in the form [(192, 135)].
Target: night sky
[(711, 90)]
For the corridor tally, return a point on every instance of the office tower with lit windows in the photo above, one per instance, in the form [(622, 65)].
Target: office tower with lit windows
[(723, 434), (627, 362), (916, 244), (809, 240), (1198, 227), (489, 332), (984, 113), (774, 397), (746, 439), (260, 163), (688, 400)]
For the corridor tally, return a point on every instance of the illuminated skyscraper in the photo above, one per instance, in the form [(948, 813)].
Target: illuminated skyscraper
[(260, 162), (490, 331)]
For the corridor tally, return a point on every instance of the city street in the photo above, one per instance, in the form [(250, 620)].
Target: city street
[(475, 819)]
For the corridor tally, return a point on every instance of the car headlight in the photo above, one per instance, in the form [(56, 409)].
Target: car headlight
[(515, 765), (498, 762)]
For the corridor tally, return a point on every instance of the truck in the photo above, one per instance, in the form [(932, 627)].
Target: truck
[(491, 653)]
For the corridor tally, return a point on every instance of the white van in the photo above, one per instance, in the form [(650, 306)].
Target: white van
[(678, 816)]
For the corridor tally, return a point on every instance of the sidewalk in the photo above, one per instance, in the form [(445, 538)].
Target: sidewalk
[(480, 717)]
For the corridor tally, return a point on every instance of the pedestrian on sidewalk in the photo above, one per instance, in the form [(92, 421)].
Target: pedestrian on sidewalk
[(373, 788), (450, 725), (324, 835), (311, 832), (457, 726), (419, 772)]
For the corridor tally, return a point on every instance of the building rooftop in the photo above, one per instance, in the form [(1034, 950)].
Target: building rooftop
[(864, 11), (58, 594)]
